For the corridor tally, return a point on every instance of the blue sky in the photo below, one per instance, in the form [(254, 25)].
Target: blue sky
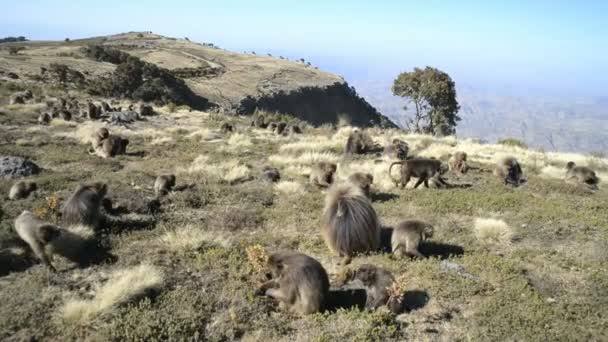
[(561, 45)]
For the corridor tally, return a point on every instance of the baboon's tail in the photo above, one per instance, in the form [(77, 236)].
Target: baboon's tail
[(391, 167)]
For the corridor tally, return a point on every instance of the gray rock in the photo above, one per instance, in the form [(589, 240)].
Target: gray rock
[(14, 167), (454, 268), (121, 117)]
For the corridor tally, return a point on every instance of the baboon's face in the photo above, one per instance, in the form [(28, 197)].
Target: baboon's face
[(428, 232), (366, 275), (48, 233), (172, 180)]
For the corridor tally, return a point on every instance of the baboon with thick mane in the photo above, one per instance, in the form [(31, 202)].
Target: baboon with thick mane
[(358, 142), (421, 168), (84, 204), (322, 174), (458, 162), (509, 171), (363, 181), (581, 174)]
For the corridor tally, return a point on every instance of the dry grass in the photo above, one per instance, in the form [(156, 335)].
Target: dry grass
[(230, 171), (190, 238), (239, 140), (290, 188), (63, 123), (306, 158), (488, 230), (122, 286), (204, 134)]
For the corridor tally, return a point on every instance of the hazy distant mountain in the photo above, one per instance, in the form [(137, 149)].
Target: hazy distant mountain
[(552, 122)]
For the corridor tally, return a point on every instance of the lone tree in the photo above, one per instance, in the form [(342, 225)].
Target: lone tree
[(433, 94)]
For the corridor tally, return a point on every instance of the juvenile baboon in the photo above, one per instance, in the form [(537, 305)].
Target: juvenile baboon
[(37, 234), (44, 118), (259, 122), (397, 149), (407, 237), (280, 128), (421, 168), (22, 189), (363, 181), (83, 206), (322, 174), (349, 224), (299, 282), (458, 162), (271, 174), (99, 136), (582, 175), (226, 128), (358, 143), (508, 170), (376, 281), (164, 184)]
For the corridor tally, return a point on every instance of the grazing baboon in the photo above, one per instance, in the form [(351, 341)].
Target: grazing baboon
[(299, 282), (63, 102), (397, 149), (37, 234), (458, 162), (363, 181), (226, 128), (582, 175), (83, 206), (112, 146), (376, 281), (407, 237), (421, 168), (508, 170), (22, 189), (164, 184), (280, 128), (271, 174), (44, 118), (259, 122), (322, 174), (99, 136), (349, 223), (359, 142)]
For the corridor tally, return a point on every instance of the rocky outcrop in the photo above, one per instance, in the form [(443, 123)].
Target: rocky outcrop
[(14, 167)]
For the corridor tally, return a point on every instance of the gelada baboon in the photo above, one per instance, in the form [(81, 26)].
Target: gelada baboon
[(112, 146), (280, 128), (458, 162), (226, 128), (37, 234), (99, 136), (271, 174), (349, 223), (164, 184), (92, 111), (294, 129), (376, 281), (272, 126), (508, 170), (322, 174), (83, 206), (299, 282), (22, 189), (359, 142), (259, 121), (421, 168), (363, 181), (407, 237), (397, 149), (581, 174), (44, 118), (105, 107)]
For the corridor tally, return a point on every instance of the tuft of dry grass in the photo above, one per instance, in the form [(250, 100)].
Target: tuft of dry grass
[(62, 123), (306, 158), (238, 140), (489, 230), (257, 256), (290, 187), (190, 238), (229, 171), (122, 286)]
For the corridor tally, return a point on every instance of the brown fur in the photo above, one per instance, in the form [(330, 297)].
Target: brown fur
[(299, 282), (112, 146), (271, 174), (363, 181), (44, 118), (322, 174), (83, 206), (349, 223), (458, 162), (226, 128), (582, 175), (259, 122), (164, 184), (358, 143), (376, 281), (397, 149), (22, 190), (99, 136), (421, 168), (37, 234), (407, 237), (280, 128), (509, 171)]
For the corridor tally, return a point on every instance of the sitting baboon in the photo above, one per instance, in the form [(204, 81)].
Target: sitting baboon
[(64, 114), (407, 237), (280, 128), (359, 142), (99, 136), (22, 189), (376, 281), (92, 111), (17, 99), (322, 174), (37, 234), (164, 184), (226, 128), (349, 224), (84, 204), (105, 107), (272, 126), (421, 168), (259, 122), (458, 162), (44, 118), (271, 174), (112, 146), (145, 110), (509, 171), (397, 149), (582, 175), (299, 282), (294, 129), (363, 181)]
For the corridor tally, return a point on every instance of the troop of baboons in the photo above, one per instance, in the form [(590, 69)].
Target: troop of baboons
[(349, 224)]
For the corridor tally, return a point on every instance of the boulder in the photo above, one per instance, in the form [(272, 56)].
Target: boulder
[(14, 167)]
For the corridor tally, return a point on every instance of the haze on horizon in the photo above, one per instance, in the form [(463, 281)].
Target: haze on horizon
[(555, 45)]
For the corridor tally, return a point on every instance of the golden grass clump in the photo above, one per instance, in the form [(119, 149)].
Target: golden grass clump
[(238, 140), (489, 230), (49, 211), (290, 187), (230, 171), (188, 238), (257, 256), (306, 158), (397, 289)]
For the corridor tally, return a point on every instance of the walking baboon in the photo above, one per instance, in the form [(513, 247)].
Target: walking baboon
[(164, 184), (44, 118), (280, 128), (359, 142), (22, 189), (397, 149), (322, 174), (37, 234), (83, 206), (363, 181), (299, 282), (376, 281), (509, 171), (271, 174), (421, 168), (226, 128), (407, 237), (458, 162), (582, 175), (349, 224)]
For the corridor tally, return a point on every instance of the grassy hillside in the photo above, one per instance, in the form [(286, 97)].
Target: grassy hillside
[(533, 258)]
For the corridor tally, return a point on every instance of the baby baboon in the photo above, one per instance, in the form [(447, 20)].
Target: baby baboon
[(299, 282), (397, 149), (164, 184), (407, 237), (363, 181), (509, 171), (259, 122), (582, 175), (44, 118), (226, 128), (37, 234), (358, 143), (21, 190), (271, 174), (349, 223), (421, 168), (83, 206), (280, 128), (376, 280), (322, 174), (99, 136), (458, 162)]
